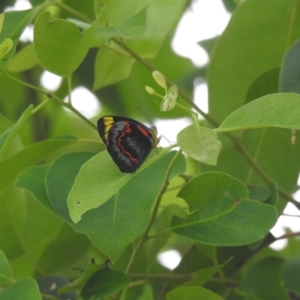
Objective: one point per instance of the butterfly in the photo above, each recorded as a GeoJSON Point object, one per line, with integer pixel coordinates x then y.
{"type": "Point", "coordinates": [128, 142]}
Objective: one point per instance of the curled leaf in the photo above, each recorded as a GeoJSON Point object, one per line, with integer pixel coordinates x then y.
{"type": "Point", "coordinates": [169, 100]}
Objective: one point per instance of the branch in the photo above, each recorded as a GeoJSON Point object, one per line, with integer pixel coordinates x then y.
{"type": "Point", "coordinates": [288, 235]}
{"type": "Point", "coordinates": [49, 96]}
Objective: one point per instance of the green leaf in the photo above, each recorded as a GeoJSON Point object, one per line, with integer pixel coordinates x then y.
{"type": "Point", "coordinates": [289, 73]}
{"type": "Point", "coordinates": [98, 281]}
{"type": "Point", "coordinates": [228, 90]}
{"type": "Point", "coordinates": [14, 23]}
{"type": "Point", "coordinates": [59, 45]}
{"type": "Point", "coordinates": [208, 44]}
{"type": "Point", "coordinates": [104, 283]}
{"type": "Point", "coordinates": [264, 84]}
{"type": "Point", "coordinates": [219, 214]}
{"type": "Point", "coordinates": [147, 293]}
{"type": "Point", "coordinates": [32, 179]}
{"type": "Point", "coordinates": [24, 60]}
{"type": "Point", "coordinates": [200, 143]}
{"type": "Point", "coordinates": [259, 193]}
{"type": "Point", "coordinates": [8, 137]}
{"type": "Point", "coordinates": [112, 218]}
{"type": "Point", "coordinates": [6, 276]}
{"type": "Point", "coordinates": [192, 292]}
{"type": "Point", "coordinates": [80, 282]}
{"type": "Point", "coordinates": [200, 277]}
{"type": "Point", "coordinates": [128, 29]}
{"type": "Point", "coordinates": [111, 67]}
{"type": "Point", "coordinates": [5, 47]}
{"type": "Point", "coordinates": [133, 27]}
{"type": "Point", "coordinates": [261, 276]}
{"type": "Point", "coordinates": [290, 271]}
{"type": "Point", "coordinates": [65, 250]}
{"type": "Point", "coordinates": [11, 166]}
{"type": "Point", "coordinates": [60, 178]}
{"type": "Point", "coordinates": [4, 136]}
{"type": "Point", "coordinates": [276, 110]}
{"type": "Point", "coordinates": [5, 124]}
{"type": "Point", "coordinates": [26, 230]}
{"type": "Point", "coordinates": [160, 20]}
{"type": "Point", "coordinates": [94, 187]}
{"type": "Point", "coordinates": [242, 34]}
{"type": "Point", "coordinates": [25, 288]}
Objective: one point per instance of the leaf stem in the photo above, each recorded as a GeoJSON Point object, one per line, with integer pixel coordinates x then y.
{"type": "Point", "coordinates": [69, 101]}
{"type": "Point", "coordinates": [154, 213]}
{"type": "Point", "coordinates": [159, 233]}
{"type": "Point", "coordinates": [178, 277]}
{"type": "Point", "coordinates": [70, 10]}
{"type": "Point", "coordinates": [40, 90]}
{"type": "Point", "coordinates": [288, 235]}
{"type": "Point", "coordinates": [49, 96]}
{"type": "Point", "coordinates": [180, 92]}
{"type": "Point", "coordinates": [161, 277]}
{"type": "Point", "coordinates": [40, 106]}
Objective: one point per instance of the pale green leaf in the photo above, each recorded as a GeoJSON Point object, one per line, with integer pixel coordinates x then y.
{"type": "Point", "coordinates": [275, 110]}
{"type": "Point", "coordinates": [94, 187]}
{"type": "Point", "coordinates": [170, 99]}
{"type": "Point", "coordinates": [133, 27]}
{"type": "Point", "coordinates": [111, 67]}
{"type": "Point", "coordinates": [23, 60]}
{"type": "Point", "coordinates": [200, 143]}
{"type": "Point", "coordinates": [59, 45]}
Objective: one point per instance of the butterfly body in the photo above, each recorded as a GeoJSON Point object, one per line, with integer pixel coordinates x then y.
{"type": "Point", "coordinates": [128, 142]}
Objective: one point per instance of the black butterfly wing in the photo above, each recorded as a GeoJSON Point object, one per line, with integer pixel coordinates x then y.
{"type": "Point", "coordinates": [128, 141]}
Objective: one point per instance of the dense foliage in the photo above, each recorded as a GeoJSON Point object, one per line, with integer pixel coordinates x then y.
{"type": "Point", "coordinates": [72, 226]}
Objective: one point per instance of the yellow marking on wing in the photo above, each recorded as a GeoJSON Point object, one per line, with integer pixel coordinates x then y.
{"type": "Point", "coordinates": [108, 123]}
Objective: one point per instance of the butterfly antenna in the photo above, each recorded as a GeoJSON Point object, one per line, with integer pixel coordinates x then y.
{"type": "Point", "coordinates": [148, 119]}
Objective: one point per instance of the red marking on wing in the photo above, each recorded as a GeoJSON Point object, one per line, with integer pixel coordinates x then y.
{"type": "Point", "coordinates": [143, 131]}
{"type": "Point", "coordinates": [123, 133]}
